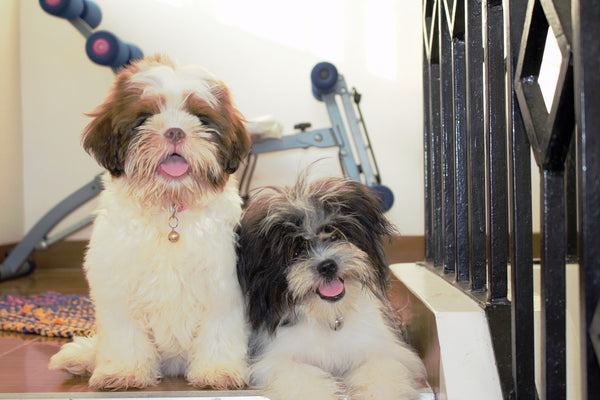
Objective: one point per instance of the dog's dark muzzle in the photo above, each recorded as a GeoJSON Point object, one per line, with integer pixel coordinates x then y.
{"type": "Point", "coordinates": [334, 289]}
{"type": "Point", "coordinates": [327, 269]}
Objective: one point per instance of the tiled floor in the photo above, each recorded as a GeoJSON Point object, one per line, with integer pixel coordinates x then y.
{"type": "Point", "coordinates": [24, 358]}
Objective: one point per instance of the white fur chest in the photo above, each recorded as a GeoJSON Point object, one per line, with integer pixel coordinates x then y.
{"type": "Point", "coordinates": [363, 333]}
{"type": "Point", "coordinates": [168, 287]}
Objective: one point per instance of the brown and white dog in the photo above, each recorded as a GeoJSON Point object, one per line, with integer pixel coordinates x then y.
{"type": "Point", "coordinates": [161, 263]}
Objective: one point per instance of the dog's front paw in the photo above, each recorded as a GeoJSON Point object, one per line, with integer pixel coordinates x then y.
{"type": "Point", "coordinates": [114, 379]}
{"type": "Point", "coordinates": [382, 379]}
{"type": "Point", "coordinates": [77, 357]}
{"type": "Point", "coordinates": [218, 377]}
{"type": "Point", "coordinates": [297, 381]}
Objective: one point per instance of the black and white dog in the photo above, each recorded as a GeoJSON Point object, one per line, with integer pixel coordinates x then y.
{"type": "Point", "coordinates": [313, 270]}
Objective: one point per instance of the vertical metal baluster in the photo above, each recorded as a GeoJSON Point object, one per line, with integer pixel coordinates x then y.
{"type": "Point", "coordinates": [436, 147]}
{"type": "Point", "coordinates": [447, 123]}
{"type": "Point", "coordinates": [476, 143]}
{"type": "Point", "coordinates": [428, 18]}
{"type": "Point", "coordinates": [498, 309]}
{"type": "Point", "coordinates": [571, 203]}
{"type": "Point", "coordinates": [521, 254]}
{"type": "Point", "coordinates": [496, 150]}
{"type": "Point", "coordinates": [553, 234]}
{"type": "Point", "coordinates": [552, 281]}
{"type": "Point", "coordinates": [427, 158]}
{"type": "Point", "coordinates": [461, 161]}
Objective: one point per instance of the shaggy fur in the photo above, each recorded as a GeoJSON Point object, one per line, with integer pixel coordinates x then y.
{"type": "Point", "coordinates": [169, 137]}
{"type": "Point", "coordinates": [313, 270]}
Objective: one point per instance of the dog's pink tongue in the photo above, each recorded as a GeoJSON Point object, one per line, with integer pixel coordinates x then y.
{"type": "Point", "coordinates": [332, 289]}
{"type": "Point", "coordinates": [175, 165]}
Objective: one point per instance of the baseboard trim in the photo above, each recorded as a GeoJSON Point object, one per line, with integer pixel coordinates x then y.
{"type": "Point", "coordinates": [404, 249]}
{"type": "Point", "coordinates": [63, 254]}
{"type": "Point", "coordinates": [69, 253]}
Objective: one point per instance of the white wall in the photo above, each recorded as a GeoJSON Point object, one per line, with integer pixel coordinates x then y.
{"type": "Point", "coordinates": [266, 64]}
{"type": "Point", "coordinates": [11, 149]}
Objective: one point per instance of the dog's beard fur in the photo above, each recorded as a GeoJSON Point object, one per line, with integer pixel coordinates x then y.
{"type": "Point", "coordinates": [148, 149]}
{"type": "Point", "coordinates": [304, 281]}
{"type": "Point", "coordinates": [286, 238]}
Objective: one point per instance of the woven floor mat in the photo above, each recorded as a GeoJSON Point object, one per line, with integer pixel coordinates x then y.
{"type": "Point", "coordinates": [48, 314]}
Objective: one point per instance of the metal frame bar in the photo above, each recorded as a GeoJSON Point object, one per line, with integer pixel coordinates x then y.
{"type": "Point", "coordinates": [354, 148]}
{"type": "Point", "coordinates": [16, 264]}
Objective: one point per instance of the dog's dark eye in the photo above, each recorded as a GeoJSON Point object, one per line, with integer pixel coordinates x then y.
{"type": "Point", "coordinates": [299, 249]}
{"type": "Point", "coordinates": [329, 233]}
{"type": "Point", "coordinates": [297, 252]}
{"type": "Point", "coordinates": [204, 120]}
{"type": "Point", "coordinates": [140, 120]}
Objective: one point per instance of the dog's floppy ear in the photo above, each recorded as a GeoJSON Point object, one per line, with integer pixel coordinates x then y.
{"type": "Point", "coordinates": [107, 136]}
{"type": "Point", "coordinates": [103, 143]}
{"type": "Point", "coordinates": [240, 146]}
{"type": "Point", "coordinates": [368, 228]}
{"type": "Point", "coordinates": [366, 205]}
{"type": "Point", "coordinates": [235, 138]}
{"type": "Point", "coordinates": [261, 275]}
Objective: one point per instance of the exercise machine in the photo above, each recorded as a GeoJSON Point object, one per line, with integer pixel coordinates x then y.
{"type": "Point", "coordinates": [102, 47]}
{"type": "Point", "coordinates": [355, 152]}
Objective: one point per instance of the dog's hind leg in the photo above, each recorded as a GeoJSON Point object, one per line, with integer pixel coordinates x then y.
{"type": "Point", "coordinates": [77, 357]}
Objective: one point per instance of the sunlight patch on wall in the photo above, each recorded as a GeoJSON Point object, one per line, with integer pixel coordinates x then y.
{"type": "Point", "coordinates": [174, 3]}
{"type": "Point", "coordinates": [325, 33]}
{"type": "Point", "coordinates": [550, 69]}
{"type": "Point", "coordinates": [295, 24]}
{"type": "Point", "coordinates": [381, 38]}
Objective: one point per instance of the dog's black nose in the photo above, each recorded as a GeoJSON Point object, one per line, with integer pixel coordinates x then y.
{"type": "Point", "coordinates": [175, 135]}
{"type": "Point", "coordinates": [327, 268]}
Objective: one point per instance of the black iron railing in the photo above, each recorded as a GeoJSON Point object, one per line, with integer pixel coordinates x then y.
{"type": "Point", "coordinates": [484, 115]}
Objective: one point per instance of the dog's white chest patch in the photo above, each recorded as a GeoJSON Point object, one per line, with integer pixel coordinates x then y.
{"type": "Point", "coordinates": [169, 289]}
